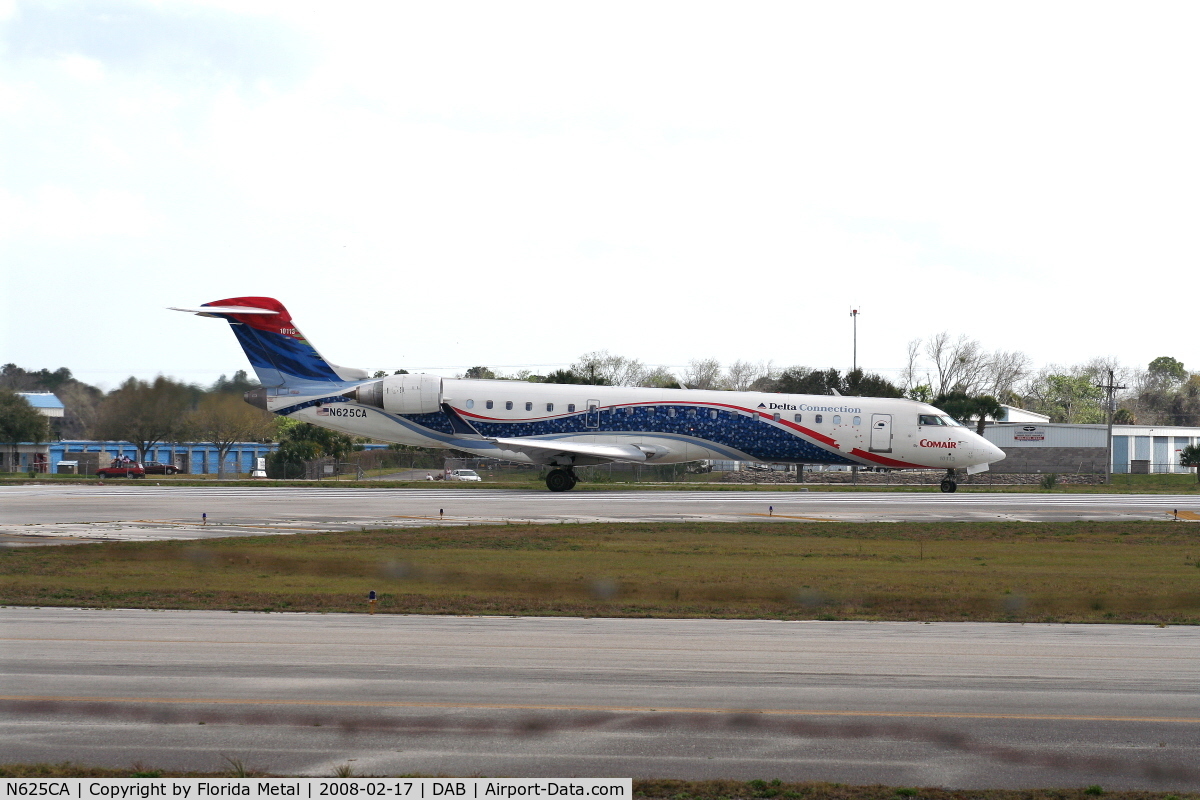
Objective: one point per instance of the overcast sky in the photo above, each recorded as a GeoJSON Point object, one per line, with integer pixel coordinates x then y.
{"type": "Point", "coordinates": [437, 185]}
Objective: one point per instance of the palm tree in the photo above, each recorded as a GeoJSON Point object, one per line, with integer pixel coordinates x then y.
{"type": "Point", "coordinates": [963, 407]}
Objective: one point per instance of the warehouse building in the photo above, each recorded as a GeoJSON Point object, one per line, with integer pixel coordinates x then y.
{"type": "Point", "coordinates": [1060, 447]}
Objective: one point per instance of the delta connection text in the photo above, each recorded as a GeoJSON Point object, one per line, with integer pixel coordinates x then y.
{"type": "Point", "coordinates": [412, 788]}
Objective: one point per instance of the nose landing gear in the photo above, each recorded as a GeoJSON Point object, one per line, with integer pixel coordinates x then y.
{"type": "Point", "coordinates": [561, 480]}
{"type": "Point", "coordinates": [949, 485]}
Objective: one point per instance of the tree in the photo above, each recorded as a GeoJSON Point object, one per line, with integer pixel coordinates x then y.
{"type": "Point", "coordinates": [959, 364]}
{"type": "Point", "coordinates": [601, 368]}
{"type": "Point", "coordinates": [703, 373]}
{"type": "Point", "coordinates": [20, 422]}
{"type": "Point", "coordinates": [741, 375]}
{"type": "Point", "coordinates": [79, 399]}
{"type": "Point", "coordinates": [480, 373]}
{"type": "Point", "coordinates": [962, 364]}
{"type": "Point", "coordinates": [300, 442]}
{"type": "Point", "coordinates": [1067, 397]}
{"type": "Point", "coordinates": [145, 414]}
{"type": "Point", "coordinates": [239, 384]}
{"type": "Point", "coordinates": [662, 378]}
{"type": "Point", "coordinates": [570, 376]}
{"type": "Point", "coordinates": [1167, 372]}
{"type": "Point", "coordinates": [1190, 457]}
{"type": "Point", "coordinates": [802, 380]}
{"type": "Point", "coordinates": [863, 384]}
{"type": "Point", "coordinates": [964, 407]}
{"type": "Point", "coordinates": [1123, 416]}
{"type": "Point", "coordinates": [222, 420]}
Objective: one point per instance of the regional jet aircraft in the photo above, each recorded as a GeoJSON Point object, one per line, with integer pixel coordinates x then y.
{"type": "Point", "coordinates": [564, 426]}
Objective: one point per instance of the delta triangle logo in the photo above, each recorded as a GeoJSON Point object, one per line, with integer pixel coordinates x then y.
{"type": "Point", "coordinates": [762, 405]}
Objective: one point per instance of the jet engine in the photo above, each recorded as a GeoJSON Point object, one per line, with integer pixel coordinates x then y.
{"type": "Point", "coordinates": [401, 394]}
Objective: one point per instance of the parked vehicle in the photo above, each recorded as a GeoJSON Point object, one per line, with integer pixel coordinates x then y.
{"type": "Point", "coordinates": [129, 470]}
{"type": "Point", "coordinates": [159, 468]}
{"type": "Point", "coordinates": [463, 475]}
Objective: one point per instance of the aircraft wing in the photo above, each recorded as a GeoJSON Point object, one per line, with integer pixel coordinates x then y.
{"type": "Point", "coordinates": [547, 449]}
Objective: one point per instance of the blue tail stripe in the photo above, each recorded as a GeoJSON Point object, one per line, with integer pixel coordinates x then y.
{"type": "Point", "coordinates": [279, 357]}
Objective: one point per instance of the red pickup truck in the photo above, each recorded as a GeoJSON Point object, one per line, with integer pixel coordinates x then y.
{"type": "Point", "coordinates": [130, 470]}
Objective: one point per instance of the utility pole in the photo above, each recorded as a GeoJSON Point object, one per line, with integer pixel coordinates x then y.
{"type": "Point", "coordinates": [1109, 387]}
{"type": "Point", "coordinates": [854, 361]}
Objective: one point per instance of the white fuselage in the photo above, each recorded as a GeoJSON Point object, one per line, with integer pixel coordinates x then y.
{"type": "Point", "coordinates": [667, 425]}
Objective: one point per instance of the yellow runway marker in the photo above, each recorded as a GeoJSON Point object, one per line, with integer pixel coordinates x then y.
{"type": "Point", "coordinates": [1191, 516]}
{"type": "Point", "coordinates": [796, 712]}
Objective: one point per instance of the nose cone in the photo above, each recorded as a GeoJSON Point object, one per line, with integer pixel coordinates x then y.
{"type": "Point", "coordinates": [992, 453]}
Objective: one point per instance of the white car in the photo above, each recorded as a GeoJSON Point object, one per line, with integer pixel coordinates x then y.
{"type": "Point", "coordinates": [463, 475]}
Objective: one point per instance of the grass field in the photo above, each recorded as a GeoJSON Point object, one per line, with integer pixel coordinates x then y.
{"type": "Point", "coordinates": [1142, 572]}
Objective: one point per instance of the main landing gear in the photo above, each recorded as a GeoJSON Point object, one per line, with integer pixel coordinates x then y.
{"type": "Point", "coordinates": [561, 480]}
{"type": "Point", "coordinates": [948, 485]}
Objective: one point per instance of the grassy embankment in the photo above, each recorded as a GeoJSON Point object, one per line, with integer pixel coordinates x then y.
{"type": "Point", "coordinates": [529, 480]}
{"type": "Point", "coordinates": [659, 789]}
{"type": "Point", "coordinates": [1140, 572]}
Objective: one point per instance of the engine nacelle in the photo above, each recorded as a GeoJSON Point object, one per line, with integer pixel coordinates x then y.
{"type": "Point", "coordinates": [401, 394]}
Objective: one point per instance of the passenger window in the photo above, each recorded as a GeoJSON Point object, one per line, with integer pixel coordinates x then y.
{"type": "Point", "coordinates": [691, 412]}
{"type": "Point", "coordinates": [775, 416]}
{"type": "Point", "coordinates": [670, 412]}
{"type": "Point", "coordinates": [629, 411]}
{"type": "Point", "coordinates": [529, 406]}
{"type": "Point", "coordinates": [470, 404]}
{"type": "Point", "coordinates": [798, 418]}
{"type": "Point", "coordinates": [818, 419]}
{"type": "Point", "coordinates": [508, 405]}
{"type": "Point", "coordinates": [858, 420]}
{"type": "Point", "coordinates": [837, 419]}
{"type": "Point", "coordinates": [549, 406]}
{"type": "Point", "coordinates": [570, 407]}
{"type": "Point", "coordinates": [712, 414]}
{"type": "Point", "coordinates": [650, 410]}
{"type": "Point", "coordinates": [489, 403]}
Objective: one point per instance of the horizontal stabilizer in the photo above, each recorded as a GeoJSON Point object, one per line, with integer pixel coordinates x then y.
{"type": "Point", "coordinates": [208, 311]}
{"type": "Point", "coordinates": [542, 449]}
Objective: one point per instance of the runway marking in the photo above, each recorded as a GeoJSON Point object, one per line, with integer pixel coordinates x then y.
{"type": "Point", "coordinates": [797, 712]}
{"type": "Point", "coordinates": [784, 516]}
{"type": "Point", "coordinates": [1189, 515]}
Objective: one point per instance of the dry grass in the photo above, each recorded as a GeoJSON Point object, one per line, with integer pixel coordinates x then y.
{"type": "Point", "coordinates": [1145, 572]}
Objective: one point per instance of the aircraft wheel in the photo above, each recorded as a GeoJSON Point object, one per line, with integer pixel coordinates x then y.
{"type": "Point", "coordinates": [559, 480]}
{"type": "Point", "coordinates": [949, 486]}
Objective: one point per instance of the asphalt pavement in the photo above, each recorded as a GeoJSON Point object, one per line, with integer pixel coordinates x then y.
{"type": "Point", "coordinates": [64, 514]}
{"type": "Point", "coordinates": [947, 704]}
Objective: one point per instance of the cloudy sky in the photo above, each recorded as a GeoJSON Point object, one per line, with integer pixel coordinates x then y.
{"type": "Point", "coordinates": [437, 185]}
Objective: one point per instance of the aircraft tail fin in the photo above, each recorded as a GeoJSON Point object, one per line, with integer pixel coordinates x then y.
{"type": "Point", "coordinates": [277, 350]}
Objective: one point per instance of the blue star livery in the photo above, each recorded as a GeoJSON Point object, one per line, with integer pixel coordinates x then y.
{"type": "Point", "coordinates": [564, 426]}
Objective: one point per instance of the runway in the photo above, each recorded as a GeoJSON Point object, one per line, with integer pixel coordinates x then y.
{"type": "Point", "coordinates": [959, 705]}
{"type": "Point", "coordinates": [65, 514]}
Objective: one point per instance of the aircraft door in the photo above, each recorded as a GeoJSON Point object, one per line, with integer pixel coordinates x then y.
{"type": "Point", "coordinates": [881, 433]}
{"type": "Point", "coordinates": [592, 418]}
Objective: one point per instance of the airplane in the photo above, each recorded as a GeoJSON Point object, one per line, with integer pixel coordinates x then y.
{"type": "Point", "coordinates": [564, 426]}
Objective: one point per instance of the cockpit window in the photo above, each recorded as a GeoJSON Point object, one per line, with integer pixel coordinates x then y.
{"type": "Point", "coordinates": [929, 419]}
{"type": "Point", "coordinates": [953, 421]}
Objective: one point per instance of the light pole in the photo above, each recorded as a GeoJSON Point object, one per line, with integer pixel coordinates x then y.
{"type": "Point", "coordinates": [853, 370]}
{"type": "Point", "coordinates": [854, 362]}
